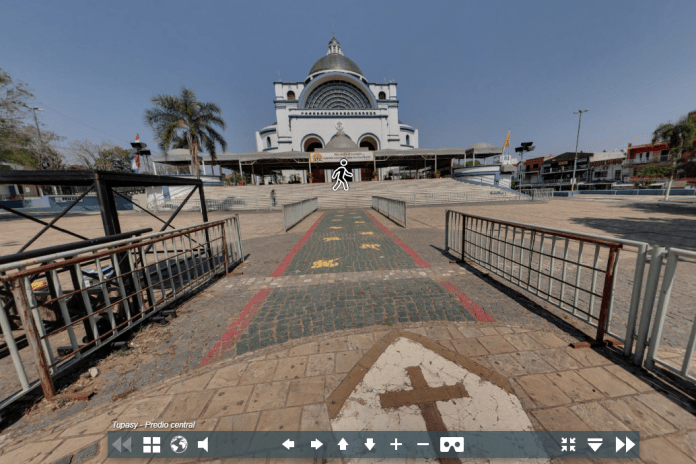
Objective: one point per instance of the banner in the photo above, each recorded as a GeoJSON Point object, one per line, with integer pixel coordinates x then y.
{"type": "Point", "coordinates": [507, 140]}
{"type": "Point", "coordinates": [336, 157]}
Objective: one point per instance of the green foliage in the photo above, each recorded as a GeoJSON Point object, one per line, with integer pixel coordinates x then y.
{"type": "Point", "coordinates": [471, 163]}
{"type": "Point", "coordinates": [656, 171]}
{"type": "Point", "coordinates": [183, 121]}
{"type": "Point", "coordinates": [680, 136]}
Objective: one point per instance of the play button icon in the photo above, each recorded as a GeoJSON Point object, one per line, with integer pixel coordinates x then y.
{"type": "Point", "coordinates": [629, 444]}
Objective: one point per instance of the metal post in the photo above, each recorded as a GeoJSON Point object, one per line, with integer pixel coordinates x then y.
{"type": "Point", "coordinates": [635, 298]}
{"type": "Point", "coordinates": [606, 294]}
{"type": "Point", "coordinates": [22, 304]}
{"type": "Point", "coordinates": [577, 141]}
{"type": "Point", "coordinates": [662, 305]}
{"type": "Point", "coordinates": [648, 303]}
{"type": "Point", "coordinates": [108, 207]}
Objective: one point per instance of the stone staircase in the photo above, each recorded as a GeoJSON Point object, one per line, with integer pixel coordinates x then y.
{"type": "Point", "coordinates": [414, 192]}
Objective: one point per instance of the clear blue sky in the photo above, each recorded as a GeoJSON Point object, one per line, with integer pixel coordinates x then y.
{"type": "Point", "coordinates": [467, 70]}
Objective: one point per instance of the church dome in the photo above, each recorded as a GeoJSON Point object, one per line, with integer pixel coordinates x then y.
{"type": "Point", "coordinates": [340, 141]}
{"type": "Point", "coordinates": [335, 61]}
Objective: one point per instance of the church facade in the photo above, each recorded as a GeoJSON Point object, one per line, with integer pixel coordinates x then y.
{"type": "Point", "coordinates": [335, 91]}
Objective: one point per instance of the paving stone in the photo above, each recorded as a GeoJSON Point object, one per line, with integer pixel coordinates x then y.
{"type": "Point", "coordinates": [506, 364]}
{"type": "Point", "coordinates": [228, 401]}
{"type": "Point", "coordinates": [86, 453]}
{"type": "Point", "coordinates": [469, 347]}
{"type": "Point", "coordinates": [668, 409]}
{"type": "Point", "coordinates": [574, 386]}
{"type": "Point", "coordinates": [268, 396]}
{"type": "Point", "coordinates": [291, 368]}
{"type": "Point", "coordinates": [238, 423]}
{"type": "Point", "coordinates": [496, 344]}
{"type": "Point", "coordinates": [598, 417]}
{"type": "Point", "coordinates": [561, 418]}
{"type": "Point", "coordinates": [606, 382]}
{"type": "Point", "coordinates": [315, 417]}
{"type": "Point", "coordinates": [587, 357]}
{"type": "Point", "coordinates": [345, 360]}
{"type": "Point", "coordinates": [305, 391]}
{"type": "Point", "coordinates": [532, 362]}
{"type": "Point", "coordinates": [559, 359]}
{"type": "Point", "coordinates": [227, 376]}
{"type": "Point", "coordinates": [685, 442]}
{"type": "Point", "coordinates": [660, 450]}
{"type": "Point", "coordinates": [639, 417]}
{"type": "Point", "coordinates": [543, 391]}
{"type": "Point", "coordinates": [259, 372]}
{"type": "Point", "coordinates": [186, 406]}
{"type": "Point", "coordinates": [321, 364]}
{"type": "Point", "coordinates": [280, 419]}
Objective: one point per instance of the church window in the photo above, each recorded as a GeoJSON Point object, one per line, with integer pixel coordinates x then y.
{"type": "Point", "coordinates": [337, 95]}
{"type": "Point", "coordinates": [291, 95]}
{"type": "Point", "coordinates": [268, 142]}
{"type": "Point", "coordinates": [408, 140]}
{"type": "Point", "coordinates": [382, 96]}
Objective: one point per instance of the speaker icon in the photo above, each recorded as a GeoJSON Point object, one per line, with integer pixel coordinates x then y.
{"type": "Point", "coordinates": [203, 444]}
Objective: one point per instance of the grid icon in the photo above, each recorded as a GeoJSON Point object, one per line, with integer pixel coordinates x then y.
{"type": "Point", "coordinates": [151, 444]}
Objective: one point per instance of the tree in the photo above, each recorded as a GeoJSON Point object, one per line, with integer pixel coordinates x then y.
{"type": "Point", "coordinates": [183, 118]}
{"type": "Point", "coordinates": [102, 157]}
{"type": "Point", "coordinates": [20, 143]}
{"type": "Point", "coordinates": [681, 137]}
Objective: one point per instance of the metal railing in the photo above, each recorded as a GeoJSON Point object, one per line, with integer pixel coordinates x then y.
{"type": "Point", "coordinates": [674, 257]}
{"type": "Point", "coordinates": [212, 204]}
{"type": "Point", "coordinates": [538, 194]}
{"type": "Point", "coordinates": [69, 304]}
{"type": "Point", "coordinates": [572, 271]}
{"type": "Point", "coordinates": [294, 213]}
{"type": "Point", "coordinates": [394, 209]}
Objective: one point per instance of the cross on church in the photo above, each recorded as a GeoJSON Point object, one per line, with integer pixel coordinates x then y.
{"type": "Point", "coordinates": [339, 126]}
{"type": "Point", "coordinates": [425, 397]}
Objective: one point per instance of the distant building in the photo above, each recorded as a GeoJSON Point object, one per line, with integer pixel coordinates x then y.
{"type": "Point", "coordinates": [606, 169]}
{"type": "Point", "coordinates": [557, 172]}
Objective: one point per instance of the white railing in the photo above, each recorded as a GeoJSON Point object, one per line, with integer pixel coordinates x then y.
{"type": "Point", "coordinates": [294, 213]}
{"type": "Point", "coordinates": [538, 194]}
{"type": "Point", "coordinates": [393, 209]}
{"type": "Point", "coordinates": [675, 257]}
{"type": "Point", "coordinates": [66, 305]}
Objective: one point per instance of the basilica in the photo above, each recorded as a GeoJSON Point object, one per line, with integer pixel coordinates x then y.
{"type": "Point", "coordinates": [334, 91]}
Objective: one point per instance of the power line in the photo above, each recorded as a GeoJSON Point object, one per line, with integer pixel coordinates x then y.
{"type": "Point", "coordinates": [79, 122]}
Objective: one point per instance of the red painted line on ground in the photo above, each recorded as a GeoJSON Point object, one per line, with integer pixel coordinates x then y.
{"type": "Point", "coordinates": [237, 327]}
{"type": "Point", "coordinates": [474, 309]}
{"type": "Point", "coordinates": [416, 257]}
{"type": "Point", "coordinates": [288, 258]}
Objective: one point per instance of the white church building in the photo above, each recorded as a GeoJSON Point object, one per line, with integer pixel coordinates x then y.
{"type": "Point", "coordinates": [335, 91]}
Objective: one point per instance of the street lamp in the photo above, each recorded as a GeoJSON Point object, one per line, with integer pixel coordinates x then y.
{"type": "Point", "coordinates": [575, 161]}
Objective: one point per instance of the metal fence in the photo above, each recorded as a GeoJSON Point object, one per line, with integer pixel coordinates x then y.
{"type": "Point", "coordinates": [225, 204]}
{"type": "Point", "coordinates": [681, 363]}
{"type": "Point", "coordinates": [538, 194]}
{"type": "Point", "coordinates": [67, 305]}
{"type": "Point", "coordinates": [294, 213]}
{"type": "Point", "coordinates": [572, 271]}
{"type": "Point", "coordinates": [394, 209]}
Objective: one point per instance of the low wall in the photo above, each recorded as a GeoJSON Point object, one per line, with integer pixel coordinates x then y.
{"type": "Point", "coordinates": [654, 192]}
{"type": "Point", "coordinates": [56, 203]}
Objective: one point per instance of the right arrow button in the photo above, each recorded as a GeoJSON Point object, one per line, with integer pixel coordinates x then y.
{"type": "Point", "coordinates": [619, 444]}
{"type": "Point", "coordinates": [629, 444]}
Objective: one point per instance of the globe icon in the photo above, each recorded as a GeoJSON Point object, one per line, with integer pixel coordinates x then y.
{"type": "Point", "coordinates": [178, 444]}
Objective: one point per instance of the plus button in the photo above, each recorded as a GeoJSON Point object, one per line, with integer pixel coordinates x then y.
{"type": "Point", "coordinates": [396, 444]}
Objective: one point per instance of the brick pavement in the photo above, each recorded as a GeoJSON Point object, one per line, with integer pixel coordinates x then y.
{"type": "Point", "coordinates": [294, 385]}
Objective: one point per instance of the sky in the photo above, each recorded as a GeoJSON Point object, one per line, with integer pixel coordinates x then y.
{"type": "Point", "coordinates": [467, 71]}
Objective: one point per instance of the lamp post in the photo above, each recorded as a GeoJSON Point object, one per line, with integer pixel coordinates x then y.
{"type": "Point", "coordinates": [577, 141]}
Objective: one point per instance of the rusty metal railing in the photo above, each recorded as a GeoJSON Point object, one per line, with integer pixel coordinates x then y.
{"type": "Point", "coordinates": [69, 304]}
{"type": "Point", "coordinates": [574, 272]}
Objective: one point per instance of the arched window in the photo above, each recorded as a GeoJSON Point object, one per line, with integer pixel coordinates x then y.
{"type": "Point", "coordinates": [268, 142]}
{"type": "Point", "coordinates": [382, 96]}
{"type": "Point", "coordinates": [291, 95]}
{"type": "Point", "coordinates": [408, 139]}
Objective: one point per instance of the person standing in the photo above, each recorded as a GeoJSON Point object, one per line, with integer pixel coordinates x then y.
{"type": "Point", "coordinates": [273, 197]}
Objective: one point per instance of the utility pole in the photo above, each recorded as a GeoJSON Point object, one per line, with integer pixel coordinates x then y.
{"type": "Point", "coordinates": [577, 141]}
{"type": "Point", "coordinates": [42, 162]}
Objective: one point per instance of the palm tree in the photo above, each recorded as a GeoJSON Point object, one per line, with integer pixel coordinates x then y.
{"type": "Point", "coordinates": [681, 138]}
{"type": "Point", "coordinates": [183, 118]}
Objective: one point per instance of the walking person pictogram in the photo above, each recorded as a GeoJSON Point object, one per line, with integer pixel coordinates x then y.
{"type": "Point", "coordinates": [340, 174]}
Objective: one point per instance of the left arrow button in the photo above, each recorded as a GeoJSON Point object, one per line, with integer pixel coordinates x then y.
{"type": "Point", "coordinates": [117, 444]}
{"type": "Point", "coordinates": [289, 444]}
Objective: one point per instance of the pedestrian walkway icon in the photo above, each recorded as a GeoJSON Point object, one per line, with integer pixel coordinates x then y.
{"type": "Point", "coordinates": [339, 175]}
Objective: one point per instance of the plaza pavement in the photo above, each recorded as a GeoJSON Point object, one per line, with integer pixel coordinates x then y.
{"type": "Point", "coordinates": [311, 305]}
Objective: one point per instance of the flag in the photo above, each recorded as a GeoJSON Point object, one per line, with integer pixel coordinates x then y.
{"type": "Point", "coordinates": [507, 140]}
